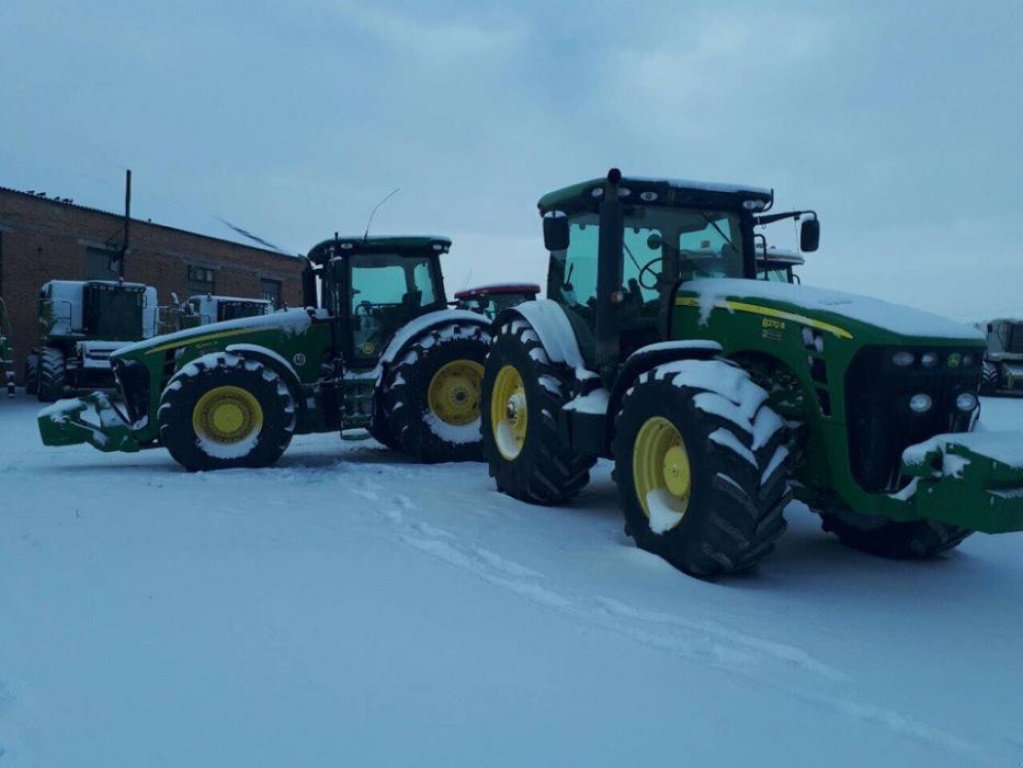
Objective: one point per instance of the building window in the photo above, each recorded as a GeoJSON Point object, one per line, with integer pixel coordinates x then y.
{"type": "Point", "coordinates": [101, 264]}
{"type": "Point", "coordinates": [271, 291]}
{"type": "Point", "coordinates": [200, 281]}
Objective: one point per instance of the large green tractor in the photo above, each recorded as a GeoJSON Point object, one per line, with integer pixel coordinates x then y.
{"type": "Point", "coordinates": [718, 395]}
{"type": "Point", "coordinates": [375, 348]}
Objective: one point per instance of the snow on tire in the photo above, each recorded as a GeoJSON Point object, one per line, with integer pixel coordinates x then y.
{"type": "Point", "coordinates": [50, 387]}
{"type": "Point", "coordinates": [431, 395]}
{"type": "Point", "coordinates": [522, 394]}
{"type": "Point", "coordinates": [223, 411]}
{"type": "Point", "coordinates": [702, 467]}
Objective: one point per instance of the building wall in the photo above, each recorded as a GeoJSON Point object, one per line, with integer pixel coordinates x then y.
{"type": "Point", "coordinates": [42, 240]}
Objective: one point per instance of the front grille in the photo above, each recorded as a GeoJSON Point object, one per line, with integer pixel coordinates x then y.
{"type": "Point", "coordinates": [133, 378]}
{"type": "Point", "coordinates": [1015, 344]}
{"type": "Point", "coordinates": [881, 424]}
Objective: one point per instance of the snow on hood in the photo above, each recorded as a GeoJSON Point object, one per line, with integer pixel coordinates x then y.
{"type": "Point", "coordinates": [292, 321]}
{"type": "Point", "coordinates": [899, 319]}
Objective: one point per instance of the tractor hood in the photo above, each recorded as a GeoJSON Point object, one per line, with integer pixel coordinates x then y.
{"type": "Point", "coordinates": [290, 321]}
{"type": "Point", "coordinates": [845, 315]}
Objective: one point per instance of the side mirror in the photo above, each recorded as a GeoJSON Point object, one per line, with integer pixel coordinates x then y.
{"type": "Point", "coordinates": [809, 235]}
{"type": "Point", "coordinates": [555, 233]}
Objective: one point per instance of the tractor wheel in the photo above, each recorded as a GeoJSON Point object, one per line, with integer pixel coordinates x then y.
{"type": "Point", "coordinates": [916, 540]}
{"type": "Point", "coordinates": [223, 411]}
{"type": "Point", "coordinates": [522, 395]}
{"type": "Point", "coordinates": [50, 387]}
{"type": "Point", "coordinates": [989, 378]}
{"type": "Point", "coordinates": [32, 374]}
{"type": "Point", "coordinates": [431, 396]}
{"type": "Point", "coordinates": [381, 432]}
{"type": "Point", "coordinates": [702, 467]}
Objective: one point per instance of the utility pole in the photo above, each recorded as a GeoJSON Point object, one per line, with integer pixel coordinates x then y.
{"type": "Point", "coordinates": [127, 221]}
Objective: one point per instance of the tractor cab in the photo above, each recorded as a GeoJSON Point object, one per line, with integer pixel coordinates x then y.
{"type": "Point", "coordinates": [373, 287]}
{"type": "Point", "coordinates": [777, 265]}
{"type": "Point", "coordinates": [621, 247]}
{"type": "Point", "coordinates": [96, 309]}
{"type": "Point", "coordinates": [492, 300]}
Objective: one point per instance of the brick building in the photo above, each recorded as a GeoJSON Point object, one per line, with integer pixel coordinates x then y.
{"type": "Point", "coordinates": [44, 239]}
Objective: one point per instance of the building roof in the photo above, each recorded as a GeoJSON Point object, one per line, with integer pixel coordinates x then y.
{"type": "Point", "coordinates": [68, 203]}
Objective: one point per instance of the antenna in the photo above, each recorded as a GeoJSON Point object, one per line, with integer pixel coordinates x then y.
{"type": "Point", "coordinates": [387, 197]}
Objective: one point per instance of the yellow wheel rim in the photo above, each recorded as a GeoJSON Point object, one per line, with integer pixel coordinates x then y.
{"type": "Point", "coordinates": [661, 473]}
{"type": "Point", "coordinates": [509, 416]}
{"type": "Point", "coordinates": [227, 415]}
{"type": "Point", "coordinates": [454, 392]}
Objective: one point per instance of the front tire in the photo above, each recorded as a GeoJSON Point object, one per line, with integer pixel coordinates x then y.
{"type": "Point", "coordinates": [223, 411]}
{"type": "Point", "coordinates": [51, 375]}
{"type": "Point", "coordinates": [989, 378]}
{"type": "Point", "coordinates": [702, 467]}
{"type": "Point", "coordinates": [913, 540]}
{"type": "Point", "coordinates": [431, 397]}
{"type": "Point", "coordinates": [522, 395]}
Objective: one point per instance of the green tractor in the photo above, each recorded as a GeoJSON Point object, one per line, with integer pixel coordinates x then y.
{"type": "Point", "coordinates": [6, 350]}
{"type": "Point", "coordinates": [719, 396]}
{"type": "Point", "coordinates": [375, 348]}
{"type": "Point", "coordinates": [81, 324]}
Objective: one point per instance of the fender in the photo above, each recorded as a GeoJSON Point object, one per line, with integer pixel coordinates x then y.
{"type": "Point", "coordinates": [551, 324]}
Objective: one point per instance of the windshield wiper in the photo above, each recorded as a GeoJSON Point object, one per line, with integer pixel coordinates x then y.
{"type": "Point", "coordinates": [714, 224]}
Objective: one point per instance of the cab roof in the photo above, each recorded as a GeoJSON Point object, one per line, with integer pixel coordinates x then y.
{"type": "Point", "coordinates": [497, 289]}
{"type": "Point", "coordinates": [586, 195]}
{"type": "Point", "coordinates": [413, 245]}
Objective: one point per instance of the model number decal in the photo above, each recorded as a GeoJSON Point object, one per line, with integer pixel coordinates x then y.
{"type": "Point", "coordinates": [769, 322]}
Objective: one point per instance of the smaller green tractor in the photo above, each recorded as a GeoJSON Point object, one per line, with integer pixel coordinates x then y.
{"type": "Point", "coordinates": [375, 348]}
{"type": "Point", "coordinates": [492, 300]}
{"type": "Point", "coordinates": [81, 324]}
{"type": "Point", "coordinates": [720, 395]}
{"type": "Point", "coordinates": [6, 350]}
{"type": "Point", "coordinates": [1003, 361]}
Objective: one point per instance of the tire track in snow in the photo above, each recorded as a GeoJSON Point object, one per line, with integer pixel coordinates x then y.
{"type": "Point", "coordinates": [737, 654]}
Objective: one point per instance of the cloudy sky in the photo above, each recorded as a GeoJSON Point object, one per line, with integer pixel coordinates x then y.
{"type": "Point", "coordinates": [899, 122]}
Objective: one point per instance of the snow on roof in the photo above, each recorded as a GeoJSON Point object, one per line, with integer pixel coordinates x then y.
{"type": "Point", "coordinates": [899, 319]}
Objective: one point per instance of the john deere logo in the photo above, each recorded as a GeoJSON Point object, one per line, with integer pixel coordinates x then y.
{"type": "Point", "coordinates": [954, 359]}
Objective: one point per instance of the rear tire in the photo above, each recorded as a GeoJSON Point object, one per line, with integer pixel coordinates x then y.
{"type": "Point", "coordinates": [526, 454]}
{"type": "Point", "coordinates": [32, 374]}
{"type": "Point", "coordinates": [50, 388]}
{"type": "Point", "coordinates": [223, 411]}
{"type": "Point", "coordinates": [702, 467]}
{"type": "Point", "coordinates": [989, 378]}
{"type": "Point", "coordinates": [913, 540]}
{"type": "Point", "coordinates": [431, 396]}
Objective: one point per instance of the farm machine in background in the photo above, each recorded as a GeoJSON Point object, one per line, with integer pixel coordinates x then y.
{"type": "Point", "coordinates": [81, 324]}
{"type": "Point", "coordinates": [492, 300]}
{"type": "Point", "coordinates": [719, 396]}
{"type": "Point", "coordinates": [375, 348]}
{"type": "Point", "coordinates": [778, 266]}
{"type": "Point", "coordinates": [208, 308]}
{"type": "Point", "coordinates": [1003, 361]}
{"type": "Point", "coordinates": [6, 350]}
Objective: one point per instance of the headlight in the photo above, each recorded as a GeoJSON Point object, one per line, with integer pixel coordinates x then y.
{"type": "Point", "coordinates": [967, 360]}
{"type": "Point", "coordinates": [967, 401]}
{"type": "Point", "coordinates": [903, 359]}
{"type": "Point", "coordinates": [929, 359]}
{"type": "Point", "coordinates": [920, 403]}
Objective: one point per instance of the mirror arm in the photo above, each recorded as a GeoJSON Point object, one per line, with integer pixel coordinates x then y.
{"type": "Point", "coordinates": [762, 220]}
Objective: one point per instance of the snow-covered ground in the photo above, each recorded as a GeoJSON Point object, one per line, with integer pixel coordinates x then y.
{"type": "Point", "coordinates": [349, 608]}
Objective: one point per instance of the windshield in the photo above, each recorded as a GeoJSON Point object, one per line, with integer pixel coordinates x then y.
{"type": "Point", "coordinates": [661, 247]}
